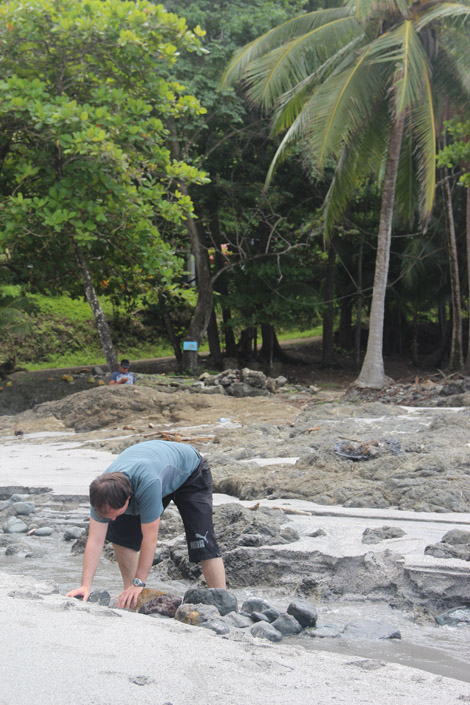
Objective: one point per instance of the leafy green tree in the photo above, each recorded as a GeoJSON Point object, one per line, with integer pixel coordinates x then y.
{"type": "Point", "coordinates": [87, 181]}
{"type": "Point", "coordinates": [363, 82]}
{"type": "Point", "coordinates": [230, 142]}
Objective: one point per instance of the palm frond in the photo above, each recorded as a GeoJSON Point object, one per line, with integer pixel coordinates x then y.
{"type": "Point", "coordinates": [344, 102]}
{"type": "Point", "coordinates": [276, 37]}
{"type": "Point", "coordinates": [453, 63]}
{"type": "Point", "coordinates": [424, 130]}
{"type": "Point", "coordinates": [371, 9]}
{"type": "Point", "coordinates": [291, 102]}
{"type": "Point", "coordinates": [273, 74]}
{"type": "Point", "coordinates": [444, 10]}
{"type": "Point", "coordinates": [358, 160]}
{"type": "Point", "coordinates": [403, 49]}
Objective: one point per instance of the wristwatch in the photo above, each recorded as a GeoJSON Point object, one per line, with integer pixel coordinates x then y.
{"type": "Point", "coordinates": [138, 582]}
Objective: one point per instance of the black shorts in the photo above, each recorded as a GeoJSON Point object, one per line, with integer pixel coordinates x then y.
{"type": "Point", "coordinates": [194, 502]}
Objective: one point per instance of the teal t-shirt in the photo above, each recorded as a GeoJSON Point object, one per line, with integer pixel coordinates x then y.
{"type": "Point", "coordinates": [155, 469]}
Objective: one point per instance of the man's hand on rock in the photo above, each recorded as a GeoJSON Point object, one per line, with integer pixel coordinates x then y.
{"type": "Point", "coordinates": [128, 598]}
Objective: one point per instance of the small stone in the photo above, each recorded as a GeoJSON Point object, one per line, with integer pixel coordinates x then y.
{"type": "Point", "coordinates": [14, 525]}
{"type": "Point", "coordinates": [263, 630]}
{"type": "Point", "coordinates": [44, 531]}
{"type": "Point", "coordinates": [304, 612]}
{"type": "Point", "coordinates": [24, 508]}
{"type": "Point", "coordinates": [196, 614]}
{"type": "Point", "coordinates": [254, 604]}
{"type": "Point", "coordinates": [19, 498]}
{"type": "Point", "coordinates": [165, 605]}
{"type": "Point", "coordinates": [73, 533]}
{"type": "Point", "coordinates": [224, 600]}
{"type": "Point", "coordinates": [219, 626]}
{"type": "Point", "coordinates": [102, 597]}
{"type": "Point", "coordinates": [240, 621]}
{"type": "Point", "coordinates": [381, 534]}
{"type": "Point", "coordinates": [287, 625]}
{"type": "Point", "coordinates": [456, 537]}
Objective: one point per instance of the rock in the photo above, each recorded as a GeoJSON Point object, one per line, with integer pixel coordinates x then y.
{"type": "Point", "coordinates": [454, 616]}
{"type": "Point", "coordinates": [304, 612]}
{"type": "Point", "coordinates": [224, 600]}
{"type": "Point", "coordinates": [102, 597]}
{"type": "Point", "coordinates": [370, 629]}
{"type": "Point", "coordinates": [196, 614]}
{"type": "Point", "coordinates": [165, 604]}
{"type": "Point", "coordinates": [456, 537]}
{"type": "Point", "coordinates": [447, 550]}
{"type": "Point", "coordinates": [145, 596]}
{"type": "Point", "coordinates": [259, 617]}
{"type": "Point", "coordinates": [254, 604]}
{"type": "Point", "coordinates": [219, 626]}
{"type": "Point", "coordinates": [24, 508]}
{"type": "Point", "coordinates": [383, 533]}
{"type": "Point", "coordinates": [287, 625]}
{"type": "Point", "coordinates": [19, 498]}
{"type": "Point", "coordinates": [44, 531]}
{"type": "Point", "coordinates": [73, 533]}
{"type": "Point", "coordinates": [263, 630]}
{"type": "Point", "coordinates": [14, 525]}
{"type": "Point", "coordinates": [240, 621]}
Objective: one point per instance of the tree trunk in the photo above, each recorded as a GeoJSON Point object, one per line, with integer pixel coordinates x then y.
{"type": "Point", "coordinates": [202, 312]}
{"type": "Point", "coordinates": [456, 348]}
{"type": "Point", "coordinates": [214, 342]}
{"type": "Point", "coordinates": [372, 373]}
{"type": "Point", "coordinates": [328, 348]}
{"type": "Point", "coordinates": [101, 323]}
{"type": "Point", "coordinates": [170, 330]}
{"type": "Point", "coordinates": [359, 300]}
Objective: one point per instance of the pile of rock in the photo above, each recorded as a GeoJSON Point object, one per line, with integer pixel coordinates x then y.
{"type": "Point", "coordinates": [217, 610]}
{"type": "Point", "coordinates": [239, 383]}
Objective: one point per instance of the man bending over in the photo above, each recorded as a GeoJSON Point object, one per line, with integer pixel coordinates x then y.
{"type": "Point", "coordinates": [127, 502]}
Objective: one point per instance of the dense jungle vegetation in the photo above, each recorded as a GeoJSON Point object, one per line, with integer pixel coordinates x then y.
{"type": "Point", "coordinates": [225, 172]}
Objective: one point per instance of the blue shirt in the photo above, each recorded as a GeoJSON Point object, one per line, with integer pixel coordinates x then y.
{"type": "Point", "coordinates": [155, 469]}
{"type": "Point", "coordinates": [116, 376]}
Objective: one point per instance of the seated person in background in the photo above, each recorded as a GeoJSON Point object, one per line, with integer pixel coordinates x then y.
{"type": "Point", "coordinates": [123, 376]}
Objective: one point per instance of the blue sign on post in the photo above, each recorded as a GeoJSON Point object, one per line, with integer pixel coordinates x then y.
{"type": "Point", "coordinates": [190, 345]}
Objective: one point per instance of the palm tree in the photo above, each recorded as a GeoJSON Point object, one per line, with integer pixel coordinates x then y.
{"type": "Point", "coordinates": [364, 83]}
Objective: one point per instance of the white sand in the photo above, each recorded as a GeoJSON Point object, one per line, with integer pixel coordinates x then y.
{"type": "Point", "coordinates": [57, 650]}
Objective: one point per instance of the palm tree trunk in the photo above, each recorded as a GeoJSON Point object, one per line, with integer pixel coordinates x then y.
{"type": "Point", "coordinates": [372, 372]}
{"type": "Point", "coordinates": [328, 349]}
{"type": "Point", "coordinates": [101, 323]}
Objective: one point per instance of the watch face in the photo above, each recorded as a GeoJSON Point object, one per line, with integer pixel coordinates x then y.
{"type": "Point", "coordinates": [138, 582]}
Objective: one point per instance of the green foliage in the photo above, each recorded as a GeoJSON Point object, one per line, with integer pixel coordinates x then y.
{"type": "Point", "coordinates": [340, 78]}
{"type": "Point", "coordinates": [457, 153]}
{"type": "Point", "coordinates": [86, 92]}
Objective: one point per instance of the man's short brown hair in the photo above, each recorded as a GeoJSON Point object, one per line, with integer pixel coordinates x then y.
{"type": "Point", "coordinates": [112, 489]}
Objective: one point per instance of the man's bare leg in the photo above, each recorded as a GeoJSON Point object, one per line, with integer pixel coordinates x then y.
{"type": "Point", "coordinates": [127, 560]}
{"type": "Point", "coordinates": [214, 572]}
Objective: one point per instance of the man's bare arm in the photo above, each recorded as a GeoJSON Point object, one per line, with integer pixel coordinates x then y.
{"type": "Point", "coordinates": [94, 546]}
